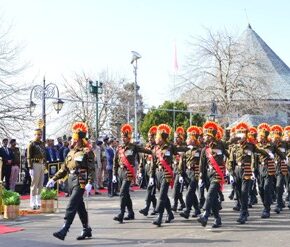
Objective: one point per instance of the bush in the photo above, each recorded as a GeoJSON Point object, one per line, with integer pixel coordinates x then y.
{"type": "Point", "coordinates": [10, 198]}
{"type": "Point", "coordinates": [48, 194]}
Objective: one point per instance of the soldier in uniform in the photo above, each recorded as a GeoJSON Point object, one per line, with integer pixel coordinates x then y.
{"type": "Point", "coordinates": [123, 167]}
{"type": "Point", "coordinates": [212, 166]}
{"type": "Point", "coordinates": [147, 160]}
{"type": "Point", "coordinates": [79, 167]}
{"type": "Point", "coordinates": [252, 138]}
{"type": "Point", "coordinates": [281, 166]}
{"type": "Point", "coordinates": [178, 186]}
{"type": "Point", "coordinates": [267, 167]}
{"type": "Point", "coordinates": [241, 167]}
{"type": "Point", "coordinates": [163, 160]}
{"type": "Point", "coordinates": [191, 157]}
{"type": "Point", "coordinates": [36, 160]}
{"type": "Point", "coordinates": [286, 139]}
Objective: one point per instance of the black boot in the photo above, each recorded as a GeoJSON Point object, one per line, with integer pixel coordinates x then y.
{"type": "Point", "coordinates": [202, 219]}
{"type": "Point", "coordinates": [119, 217]}
{"type": "Point", "coordinates": [242, 219]}
{"type": "Point", "coordinates": [154, 212]}
{"type": "Point", "coordinates": [170, 217]}
{"type": "Point", "coordinates": [158, 221]}
{"type": "Point", "coordinates": [130, 216]}
{"type": "Point", "coordinates": [185, 214]}
{"type": "Point", "coordinates": [265, 214]}
{"type": "Point", "coordinates": [86, 233]}
{"type": "Point", "coordinates": [196, 213]}
{"type": "Point", "coordinates": [143, 211]}
{"type": "Point", "coordinates": [217, 222]}
{"type": "Point", "coordinates": [62, 232]}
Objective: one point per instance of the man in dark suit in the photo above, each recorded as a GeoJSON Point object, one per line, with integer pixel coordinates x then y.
{"type": "Point", "coordinates": [7, 157]}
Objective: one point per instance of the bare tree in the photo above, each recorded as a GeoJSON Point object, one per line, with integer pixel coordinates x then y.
{"type": "Point", "coordinates": [14, 107]}
{"type": "Point", "coordinates": [124, 111]}
{"type": "Point", "coordinates": [82, 104]}
{"type": "Point", "coordinates": [220, 69]}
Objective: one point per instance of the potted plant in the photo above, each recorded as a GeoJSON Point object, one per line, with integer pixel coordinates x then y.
{"type": "Point", "coordinates": [47, 197]}
{"type": "Point", "coordinates": [11, 201]}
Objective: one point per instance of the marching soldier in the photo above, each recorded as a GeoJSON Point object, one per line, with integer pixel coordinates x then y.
{"type": "Point", "coordinates": [286, 139]}
{"type": "Point", "coordinates": [79, 167]}
{"type": "Point", "coordinates": [212, 166]}
{"type": "Point", "coordinates": [252, 138]}
{"type": "Point", "coordinates": [241, 166]}
{"type": "Point", "coordinates": [267, 168]}
{"type": "Point", "coordinates": [178, 187]}
{"type": "Point", "coordinates": [281, 166]}
{"type": "Point", "coordinates": [163, 160]}
{"type": "Point", "coordinates": [147, 159]}
{"type": "Point", "coordinates": [191, 157]}
{"type": "Point", "coordinates": [124, 161]}
{"type": "Point", "coordinates": [36, 160]}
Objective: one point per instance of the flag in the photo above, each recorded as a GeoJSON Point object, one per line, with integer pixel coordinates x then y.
{"type": "Point", "coordinates": [175, 63]}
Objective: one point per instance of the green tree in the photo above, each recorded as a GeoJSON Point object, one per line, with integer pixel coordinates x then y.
{"type": "Point", "coordinates": [165, 114]}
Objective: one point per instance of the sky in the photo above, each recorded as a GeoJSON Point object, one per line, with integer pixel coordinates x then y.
{"type": "Point", "coordinates": [64, 37]}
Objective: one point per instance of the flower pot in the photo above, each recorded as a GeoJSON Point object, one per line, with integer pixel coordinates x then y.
{"type": "Point", "coordinates": [47, 206]}
{"type": "Point", "coordinates": [11, 211]}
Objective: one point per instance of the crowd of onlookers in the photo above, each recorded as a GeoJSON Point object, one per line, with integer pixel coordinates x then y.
{"type": "Point", "coordinates": [14, 163]}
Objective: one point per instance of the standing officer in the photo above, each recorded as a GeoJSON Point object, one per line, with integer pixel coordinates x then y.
{"type": "Point", "coordinates": [191, 158]}
{"type": "Point", "coordinates": [212, 166]}
{"type": "Point", "coordinates": [36, 160]}
{"type": "Point", "coordinates": [124, 161]}
{"type": "Point", "coordinates": [178, 186]}
{"type": "Point", "coordinates": [79, 166]}
{"type": "Point", "coordinates": [267, 168]}
{"type": "Point", "coordinates": [147, 159]}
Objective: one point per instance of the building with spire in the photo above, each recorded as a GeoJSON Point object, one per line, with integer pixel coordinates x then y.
{"type": "Point", "coordinates": [261, 93]}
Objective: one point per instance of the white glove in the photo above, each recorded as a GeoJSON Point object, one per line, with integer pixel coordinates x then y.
{"type": "Point", "coordinates": [88, 188]}
{"type": "Point", "coordinates": [200, 183]}
{"type": "Point", "coordinates": [140, 175]}
{"type": "Point", "coordinates": [50, 183]}
{"type": "Point", "coordinates": [253, 177]}
{"type": "Point", "coordinates": [31, 173]}
{"type": "Point", "coordinates": [151, 181]}
{"type": "Point", "coordinates": [114, 180]}
{"type": "Point", "coordinates": [271, 155]}
{"type": "Point", "coordinates": [181, 180]}
{"type": "Point", "coordinates": [231, 179]}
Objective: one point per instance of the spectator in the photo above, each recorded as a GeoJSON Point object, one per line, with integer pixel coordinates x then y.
{"type": "Point", "coordinates": [51, 157]}
{"type": "Point", "coordinates": [100, 170]}
{"type": "Point", "coordinates": [110, 153]}
{"type": "Point", "coordinates": [27, 178]}
{"type": "Point", "coordinates": [7, 157]}
{"type": "Point", "coordinates": [15, 164]}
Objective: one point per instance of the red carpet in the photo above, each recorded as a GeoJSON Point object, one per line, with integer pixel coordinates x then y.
{"type": "Point", "coordinates": [61, 194]}
{"type": "Point", "coordinates": [7, 229]}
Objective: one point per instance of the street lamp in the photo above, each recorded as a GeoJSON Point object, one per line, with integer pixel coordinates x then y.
{"type": "Point", "coordinates": [213, 111]}
{"type": "Point", "coordinates": [96, 89]}
{"type": "Point", "coordinates": [43, 92]}
{"type": "Point", "coordinates": [135, 57]}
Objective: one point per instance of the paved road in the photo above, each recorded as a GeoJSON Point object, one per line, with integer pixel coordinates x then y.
{"type": "Point", "coordinates": [140, 232]}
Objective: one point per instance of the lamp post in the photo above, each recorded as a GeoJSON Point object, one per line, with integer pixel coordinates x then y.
{"type": "Point", "coordinates": [135, 57]}
{"type": "Point", "coordinates": [43, 92]}
{"type": "Point", "coordinates": [96, 89]}
{"type": "Point", "coordinates": [213, 110]}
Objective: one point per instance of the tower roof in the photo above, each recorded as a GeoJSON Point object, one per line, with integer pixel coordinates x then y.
{"type": "Point", "coordinates": [274, 70]}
